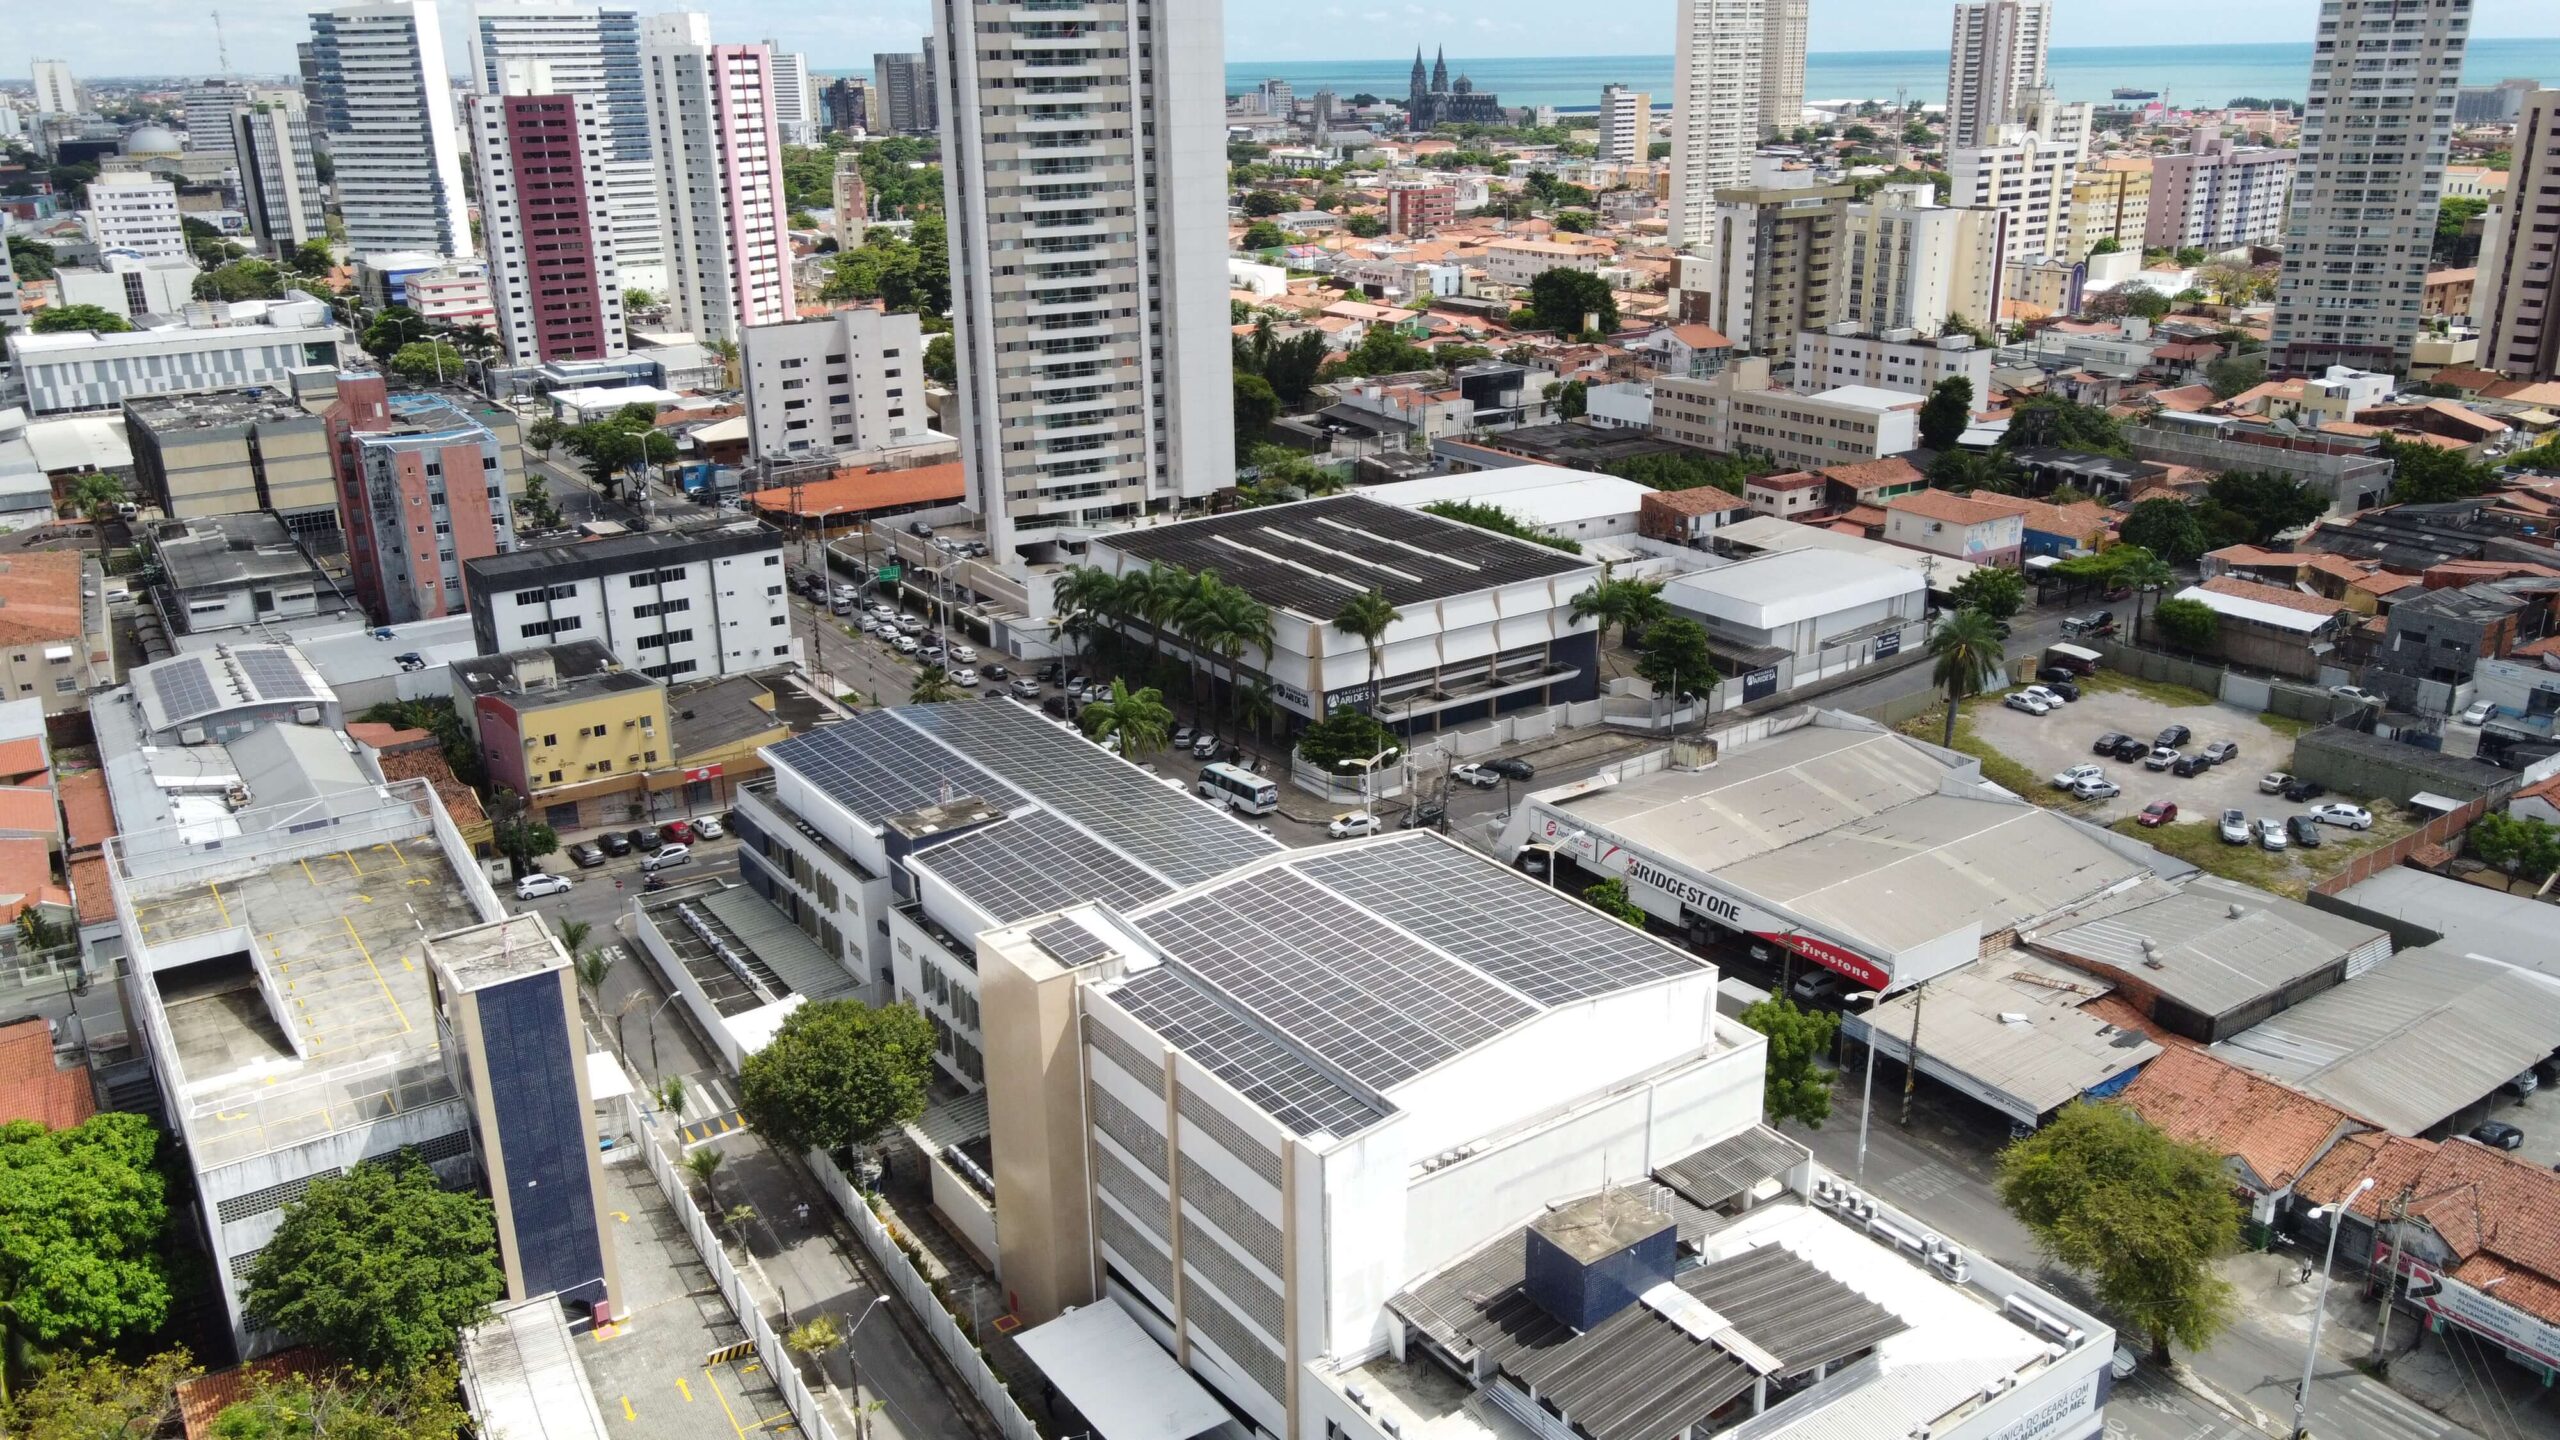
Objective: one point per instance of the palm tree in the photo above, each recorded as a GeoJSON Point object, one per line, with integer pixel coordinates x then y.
{"type": "Point", "coordinates": [1368, 617]}
{"type": "Point", "coordinates": [96, 498]}
{"type": "Point", "coordinates": [2144, 573]}
{"type": "Point", "coordinates": [727, 350]}
{"type": "Point", "coordinates": [1138, 717]}
{"type": "Point", "coordinates": [933, 687]}
{"type": "Point", "coordinates": [1970, 657]}
{"type": "Point", "coordinates": [593, 967]}
{"type": "Point", "coordinates": [1255, 709]}
{"type": "Point", "coordinates": [1630, 605]}
{"type": "Point", "coordinates": [1087, 600]}
{"type": "Point", "coordinates": [1227, 622]}
{"type": "Point", "coordinates": [1155, 595]}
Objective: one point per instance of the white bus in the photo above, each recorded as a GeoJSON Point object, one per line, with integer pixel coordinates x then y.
{"type": "Point", "coordinates": [1239, 790]}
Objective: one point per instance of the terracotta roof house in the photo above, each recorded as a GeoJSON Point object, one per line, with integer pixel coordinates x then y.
{"type": "Point", "coordinates": [2269, 1135]}
{"type": "Point", "coordinates": [33, 1087]}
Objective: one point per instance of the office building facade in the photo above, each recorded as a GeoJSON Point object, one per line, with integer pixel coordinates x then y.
{"type": "Point", "coordinates": [1715, 107]}
{"type": "Point", "coordinates": [422, 490]}
{"type": "Point", "coordinates": [207, 106]}
{"type": "Point", "coordinates": [1907, 262]}
{"type": "Point", "coordinates": [545, 222]}
{"type": "Point", "coordinates": [137, 215]}
{"type": "Point", "coordinates": [1771, 265]}
{"type": "Point", "coordinates": [2376, 128]}
{"type": "Point", "coordinates": [795, 101]}
{"type": "Point", "coordinates": [57, 93]}
{"type": "Point", "coordinates": [593, 52]}
{"type": "Point", "coordinates": [1089, 285]}
{"type": "Point", "coordinates": [853, 380]}
{"type": "Point", "coordinates": [279, 179]}
{"type": "Point", "coordinates": [908, 105]}
{"type": "Point", "coordinates": [1995, 64]}
{"type": "Point", "coordinates": [2218, 195]}
{"type": "Point", "coordinates": [386, 105]}
{"type": "Point", "coordinates": [672, 604]}
{"type": "Point", "coordinates": [1626, 126]}
{"type": "Point", "coordinates": [719, 169]}
{"type": "Point", "coordinates": [2514, 299]}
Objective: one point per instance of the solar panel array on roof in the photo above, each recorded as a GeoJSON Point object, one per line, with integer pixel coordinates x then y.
{"type": "Point", "coordinates": [876, 765]}
{"type": "Point", "coordinates": [1270, 1076]}
{"type": "Point", "coordinates": [1312, 556]}
{"type": "Point", "coordinates": [184, 690]}
{"type": "Point", "coordinates": [274, 675]}
{"type": "Point", "coordinates": [1522, 934]}
{"type": "Point", "coordinates": [1369, 998]}
{"type": "Point", "coordinates": [1070, 943]}
{"type": "Point", "coordinates": [1161, 828]}
{"type": "Point", "coordinates": [1036, 863]}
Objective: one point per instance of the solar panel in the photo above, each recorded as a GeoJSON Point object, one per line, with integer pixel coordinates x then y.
{"type": "Point", "coordinates": [876, 766]}
{"type": "Point", "coordinates": [1037, 863]}
{"type": "Point", "coordinates": [1069, 943]}
{"type": "Point", "coordinates": [183, 688]}
{"type": "Point", "coordinates": [1369, 998]}
{"type": "Point", "coordinates": [1267, 1073]}
{"type": "Point", "coordinates": [1501, 922]}
{"type": "Point", "coordinates": [273, 675]}
{"type": "Point", "coordinates": [1163, 829]}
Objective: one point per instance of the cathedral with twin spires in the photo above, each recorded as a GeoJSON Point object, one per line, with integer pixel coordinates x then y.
{"type": "Point", "coordinates": [1433, 102]}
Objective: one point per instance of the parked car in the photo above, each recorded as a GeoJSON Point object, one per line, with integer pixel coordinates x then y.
{"type": "Point", "coordinates": [2339, 812]}
{"type": "Point", "coordinates": [2107, 743]}
{"type": "Point", "coordinates": [931, 650]}
{"type": "Point", "coordinates": [1352, 823]}
{"type": "Point", "coordinates": [537, 885]}
{"type": "Point", "coordinates": [1814, 985]}
{"type": "Point", "coordinates": [2270, 833]}
{"type": "Point", "coordinates": [995, 672]}
{"type": "Point", "coordinates": [2357, 693]}
{"type": "Point", "coordinates": [1425, 814]}
{"type": "Point", "coordinates": [2187, 767]}
{"type": "Point", "coordinates": [2173, 736]}
{"type": "Point", "coordinates": [2161, 758]}
{"type": "Point", "coordinates": [2131, 748]}
{"type": "Point", "coordinates": [667, 857]}
{"type": "Point", "coordinates": [2061, 684]}
{"type": "Point", "coordinates": [910, 624]}
{"type": "Point", "coordinates": [707, 827]}
{"type": "Point", "coordinates": [2096, 788]}
{"type": "Point", "coordinates": [2497, 1134]}
{"type": "Point", "coordinates": [1056, 705]}
{"type": "Point", "coordinates": [1512, 769]}
{"type": "Point", "coordinates": [2298, 790]}
{"type": "Point", "coordinates": [2222, 752]}
{"type": "Point", "coordinates": [2076, 774]}
{"type": "Point", "coordinates": [2273, 782]}
{"type": "Point", "coordinates": [2233, 827]}
{"type": "Point", "coordinates": [2033, 705]}
{"type": "Point", "coordinates": [615, 842]}
{"type": "Point", "coordinates": [2157, 814]}
{"type": "Point", "coordinates": [676, 832]}
{"type": "Point", "coordinates": [906, 645]}
{"type": "Point", "coordinates": [1025, 688]}
{"type": "Point", "coordinates": [586, 856]}
{"type": "Point", "coordinates": [2058, 675]}
{"type": "Point", "coordinates": [2479, 713]}
{"type": "Point", "coordinates": [965, 654]}
{"type": "Point", "coordinates": [639, 839]}
{"type": "Point", "coordinates": [2304, 830]}
{"type": "Point", "coordinates": [1480, 776]}
{"type": "Point", "coordinates": [1204, 746]}
{"type": "Point", "coordinates": [1181, 737]}
{"type": "Point", "coordinates": [2049, 695]}
{"type": "Point", "coordinates": [964, 676]}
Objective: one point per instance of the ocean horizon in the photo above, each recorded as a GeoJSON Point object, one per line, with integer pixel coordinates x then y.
{"type": "Point", "coordinates": [2206, 75]}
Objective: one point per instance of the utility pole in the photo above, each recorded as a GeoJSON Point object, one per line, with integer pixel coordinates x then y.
{"type": "Point", "coordinates": [2390, 1277]}
{"type": "Point", "coordinates": [1911, 1056]}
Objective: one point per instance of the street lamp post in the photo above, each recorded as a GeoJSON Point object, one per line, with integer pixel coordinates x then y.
{"type": "Point", "coordinates": [1867, 1095]}
{"type": "Point", "coordinates": [1367, 769]}
{"type": "Point", "coordinates": [2320, 1306]}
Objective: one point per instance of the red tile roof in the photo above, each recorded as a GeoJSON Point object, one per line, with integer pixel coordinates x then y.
{"type": "Point", "coordinates": [2187, 399]}
{"type": "Point", "coordinates": [1792, 480]}
{"type": "Point", "coordinates": [2500, 1216]}
{"type": "Point", "coordinates": [2239, 589]}
{"type": "Point", "coordinates": [1872, 474]}
{"type": "Point", "coordinates": [1953, 509]}
{"type": "Point", "coordinates": [202, 1400]}
{"type": "Point", "coordinates": [87, 816]}
{"type": "Point", "coordinates": [2276, 1132]}
{"type": "Point", "coordinates": [89, 890]}
{"type": "Point", "coordinates": [28, 810]}
{"type": "Point", "coordinates": [22, 757]}
{"type": "Point", "coordinates": [1700, 500]}
{"type": "Point", "coordinates": [40, 596]}
{"type": "Point", "coordinates": [388, 737]}
{"type": "Point", "coordinates": [852, 492]}
{"type": "Point", "coordinates": [31, 1088]}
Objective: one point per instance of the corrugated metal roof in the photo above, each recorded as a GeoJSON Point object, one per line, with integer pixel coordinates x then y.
{"type": "Point", "coordinates": [1730, 1166]}
{"type": "Point", "coordinates": [2409, 1042]}
{"type": "Point", "coordinates": [2212, 959]}
{"type": "Point", "coordinates": [2050, 1054]}
{"type": "Point", "coordinates": [792, 956]}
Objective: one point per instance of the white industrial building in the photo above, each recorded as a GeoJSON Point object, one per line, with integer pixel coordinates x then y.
{"type": "Point", "coordinates": [1361, 1172]}
{"type": "Point", "coordinates": [1769, 535]}
{"type": "Point", "coordinates": [251, 342]}
{"type": "Point", "coordinates": [1779, 621]}
{"type": "Point", "coordinates": [1888, 360]}
{"type": "Point", "coordinates": [130, 287]}
{"type": "Point", "coordinates": [1567, 504]}
{"type": "Point", "coordinates": [673, 604]}
{"type": "Point", "coordinates": [852, 380]}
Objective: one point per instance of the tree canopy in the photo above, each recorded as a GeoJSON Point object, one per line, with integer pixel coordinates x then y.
{"type": "Point", "coordinates": [2167, 528]}
{"type": "Point", "coordinates": [1795, 1086]}
{"type": "Point", "coordinates": [248, 278]}
{"type": "Point", "coordinates": [1947, 413]}
{"type": "Point", "coordinates": [1346, 734]}
{"type": "Point", "coordinates": [2424, 474]}
{"type": "Point", "coordinates": [1674, 658]}
{"type": "Point", "coordinates": [1485, 516]}
{"type": "Point", "coordinates": [1563, 298]}
{"type": "Point", "coordinates": [422, 361]}
{"type": "Point", "coordinates": [837, 1075]}
{"type": "Point", "coordinates": [1610, 898]}
{"type": "Point", "coordinates": [908, 274]}
{"type": "Point", "coordinates": [2187, 624]}
{"type": "Point", "coordinates": [325, 1404]}
{"type": "Point", "coordinates": [2234, 373]}
{"type": "Point", "coordinates": [2143, 1215]}
{"type": "Point", "coordinates": [81, 1216]}
{"type": "Point", "coordinates": [382, 1264]}
{"type": "Point", "coordinates": [99, 1397]}
{"type": "Point", "coordinates": [1995, 590]}
{"type": "Point", "coordinates": [1689, 470]}
{"type": "Point", "coordinates": [2043, 422]}
{"type": "Point", "coordinates": [58, 318]}
{"type": "Point", "coordinates": [1138, 719]}
{"type": "Point", "coordinates": [2266, 502]}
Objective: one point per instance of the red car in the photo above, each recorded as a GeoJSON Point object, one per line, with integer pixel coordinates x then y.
{"type": "Point", "coordinates": [676, 832]}
{"type": "Point", "coordinates": [2158, 813]}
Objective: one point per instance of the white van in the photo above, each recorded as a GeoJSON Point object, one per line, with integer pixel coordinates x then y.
{"type": "Point", "coordinates": [667, 857]}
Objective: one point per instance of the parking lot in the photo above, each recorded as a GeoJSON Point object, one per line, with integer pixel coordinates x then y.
{"type": "Point", "coordinates": [2048, 744]}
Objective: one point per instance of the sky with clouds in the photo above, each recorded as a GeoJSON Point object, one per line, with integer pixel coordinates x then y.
{"type": "Point", "coordinates": [112, 37]}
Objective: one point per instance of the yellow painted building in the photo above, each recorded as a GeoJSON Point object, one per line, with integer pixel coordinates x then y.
{"type": "Point", "coordinates": [2111, 201]}
{"type": "Point", "coordinates": [567, 728]}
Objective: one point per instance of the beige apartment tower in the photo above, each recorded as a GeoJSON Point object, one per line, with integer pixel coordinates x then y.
{"type": "Point", "coordinates": [1715, 107]}
{"type": "Point", "coordinates": [1770, 267]}
{"type": "Point", "coordinates": [2513, 301]}
{"type": "Point", "coordinates": [1782, 66]}
{"type": "Point", "coordinates": [1995, 64]}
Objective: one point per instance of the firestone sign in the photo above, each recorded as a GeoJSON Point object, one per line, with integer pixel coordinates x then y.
{"type": "Point", "coordinates": [1715, 905]}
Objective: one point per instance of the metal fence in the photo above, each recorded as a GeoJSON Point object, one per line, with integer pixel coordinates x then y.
{"type": "Point", "coordinates": [779, 1363]}
{"type": "Point", "coordinates": [927, 1307]}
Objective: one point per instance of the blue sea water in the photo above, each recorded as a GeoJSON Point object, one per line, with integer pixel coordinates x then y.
{"type": "Point", "coordinates": [2208, 75]}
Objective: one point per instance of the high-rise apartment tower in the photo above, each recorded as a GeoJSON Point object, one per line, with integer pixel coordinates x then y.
{"type": "Point", "coordinates": [1995, 64]}
{"type": "Point", "coordinates": [719, 167]}
{"type": "Point", "coordinates": [386, 104]}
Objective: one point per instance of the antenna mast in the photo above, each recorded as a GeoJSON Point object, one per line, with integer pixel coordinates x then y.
{"type": "Point", "coordinates": [221, 46]}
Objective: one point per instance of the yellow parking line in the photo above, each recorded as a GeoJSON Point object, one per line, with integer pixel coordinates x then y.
{"type": "Point", "coordinates": [307, 875]}
{"type": "Point", "coordinates": [351, 862]}
{"type": "Point", "coordinates": [627, 1412]}
{"type": "Point", "coordinates": [361, 949]}
{"type": "Point", "coordinates": [216, 888]}
{"type": "Point", "coordinates": [723, 1398]}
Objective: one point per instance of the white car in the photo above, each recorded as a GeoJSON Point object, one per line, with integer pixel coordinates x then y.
{"type": "Point", "coordinates": [1476, 775]}
{"type": "Point", "coordinates": [2235, 827]}
{"type": "Point", "coordinates": [535, 886]}
{"type": "Point", "coordinates": [907, 645]}
{"type": "Point", "coordinates": [964, 676]}
{"type": "Point", "coordinates": [2270, 834]}
{"type": "Point", "coordinates": [2052, 698]}
{"type": "Point", "coordinates": [2021, 700]}
{"type": "Point", "coordinates": [2097, 787]}
{"type": "Point", "coordinates": [2479, 713]}
{"type": "Point", "coordinates": [2357, 693]}
{"type": "Point", "coordinates": [706, 828]}
{"type": "Point", "coordinates": [1352, 823]}
{"type": "Point", "coordinates": [2076, 775]}
{"type": "Point", "coordinates": [910, 624]}
{"type": "Point", "coordinates": [966, 655]}
{"type": "Point", "coordinates": [2338, 812]}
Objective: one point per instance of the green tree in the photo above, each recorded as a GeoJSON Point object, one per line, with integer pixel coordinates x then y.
{"type": "Point", "coordinates": [2187, 624]}
{"type": "Point", "coordinates": [1485, 516]}
{"type": "Point", "coordinates": [1971, 657]}
{"type": "Point", "coordinates": [2454, 216]}
{"type": "Point", "coordinates": [1346, 734]}
{"type": "Point", "coordinates": [1675, 659]}
{"type": "Point", "coordinates": [1689, 470]}
{"type": "Point", "coordinates": [1256, 406]}
{"type": "Point", "coordinates": [838, 1075]}
{"type": "Point", "coordinates": [1609, 897]}
{"type": "Point", "coordinates": [99, 1397]}
{"type": "Point", "coordinates": [1629, 605]}
{"type": "Point", "coordinates": [31, 258]}
{"type": "Point", "coordinates": [2233, 374]}
{"type": "Point", "coordinates": [1138, 718]}
{"type": "Point", "coordinates": [2107, 245]}
{"type": "Point", "coordinates": [311, 259]}
{"type": "Point", "coordinates": [535, 507]}
{"type": "Point", "coordinates": [382, 1264]}
{"type": "Point", "coordinates": [243, 279]}
{"type": "Point", "coordinates": [1367, 618]}
{"type": "Point", "coordinates": [515, 833]}
{"type": "Point", "coordinates": [2145, 1216]}
{"type": "Point", "coordinates": [1966, 471]}
{"type": "Point", "coordinates": [2269, 503]}
{"type": "Point", "coordinates": [1564, 299]}
{"type": "Point", "coordinates": [934, 687]}
{"type": "Point", "coordinates": [425, 361]}
{"type": "Point", "coordinates": [1795, 1086]}
{"type": "Point", "coordinates": [1574, 222]}
{"type": "Point", "coordinates": [1263, 204]}
{"type": "Point", "coordinates": [2167, 528]}
{"type": "Point", "coordinates": [81, 1216]}
{"type": "Point", "coordinates": [392, 327]}
{"type": "Point", "coordinates": [942, 360]}
{"type": "Point", "coordinates": [1385, 350]}
{"type": "Point", "coordinates": [1573, 399]}
{"type": "Point", "coordinates": [1947, 414]}
{"type": "Point", "coordinates": [2055, 422]}
{"type": "Point", "coordinates": [97, 498]}
{"type": "Point", "coordinates": [1994, 590]}
{"type": "Point", "coordinates": [637, 298]}
{"type": "Point", "coordinates": [1363, 225]}
{"type": "Point", "coordinates": [1226, 622]}
{"type": "Point", "coordinates": [2424, 474]}
{"type": "Point", "coordinates": [61, 318]}
{"type": "Point", "coordinates": [330, 1404]}
{"type": "Point", "coordinates": [2519, 845]}
{"type": "Point", "coordinates": [1263, 235]}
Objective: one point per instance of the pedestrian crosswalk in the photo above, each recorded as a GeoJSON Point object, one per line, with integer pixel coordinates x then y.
{"type": "Point", "coordinates": [2367, 1409]}
{"type": "Point", "coordinates": [713, 1128]}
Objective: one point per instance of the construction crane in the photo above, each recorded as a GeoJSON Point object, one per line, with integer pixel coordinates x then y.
{"type": "Point", "coordinates": [221, 46]}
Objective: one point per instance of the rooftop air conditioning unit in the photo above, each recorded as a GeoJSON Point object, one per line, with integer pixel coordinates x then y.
{"type": "Point", "coordinates": [307, 715]}
{"type": "Point", "coordinates": [192, 735]}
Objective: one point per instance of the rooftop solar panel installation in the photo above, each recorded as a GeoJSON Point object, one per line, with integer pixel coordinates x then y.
{"type": "Point", "coordinates": [1269, 1074]}
{"type": "Point", "coordinates": [1037, 863]}
{"type": "Point", "coordinates": [274, 675]}
{"type": "Point", "coordinates": [1312, 556]}
{"type": "Point", "coordinates": [184, 689]}
{"type": "Point", "coordinates": [877, 766]}
{"type": "Point", "coordinates": [1515, 929]}
{"type": "Point", "coordinates": [1069, 943]}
